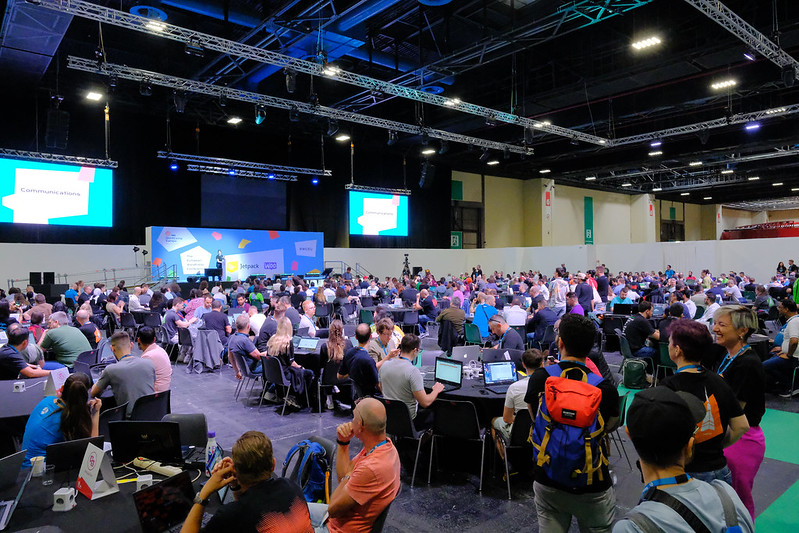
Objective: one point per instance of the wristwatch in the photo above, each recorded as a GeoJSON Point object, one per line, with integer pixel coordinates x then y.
{"type": "Point", "coordinates": [201, 501]}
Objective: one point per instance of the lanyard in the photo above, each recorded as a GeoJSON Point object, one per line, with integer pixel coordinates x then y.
{"type": "Point", "coordinates": [688, 367]}
{"type": "Point", "coordinates": [502, 338]}
{"type": "Point", "coordinates": [729, 361]}
{"type": "Point", "coordinates": [385, 349]}
{"type": "Point", "coordinates": [678, 480]}
{"type": "Point", "coordinates": [242, 334]}
{"type": "Point", "coordinates": [379, 444]}
{"type": "Point", "coordinates": [124, 356]}
{"type": "Point", "coordinates": [786, 323]}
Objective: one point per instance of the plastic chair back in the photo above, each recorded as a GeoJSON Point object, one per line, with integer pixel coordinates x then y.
{"type": "Point", "coordinates": [665, 361]}
{"type": "Point", "coordinates": [273, 371]}
{"type": "Point", "coordinates": [398, 419]}
{"type": "Point", "coordinates": [521, 429]}
{"type": "Point", "coordinates": [700, 310]}
{"type": "Point", "coordinates": [80, 366]}
{"type": "Point", "coordinates": [380, 521]}
{"type": "Point", "coordinates": [193, 428]}
{"type": "Point", "coordinates": [184, 337]}
{"type": "Point", "coordinates": [367, 317]}
{"type": "Point", "coordinates": [152, 319]}
{"type": "Point", "coordinates": [472, 333]}
{"type": "Point", "coordinates": [330, 374]}
{"type": "Point", "coordinates": [367, 301]}
{"type": "Point", "coordinates": [126, 320]}
{"type": "Point", "coordinates": [411, 318]}
{"type": "Point", "coordinates": [624, 345]}
{"type": "Point", "coordinates": [151, 407]}
{"type": "Point", "coordinates": [548, 338]}
{"type": "Point", "coordinates": [89, 358]}
{"type": "Point", "coordinates": [111, 415]}
{"type": "Point", "coordinates": [455, 418]}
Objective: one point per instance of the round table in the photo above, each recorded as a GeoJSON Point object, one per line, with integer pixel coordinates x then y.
{"type": "Point", "coordinates": [489, 404]}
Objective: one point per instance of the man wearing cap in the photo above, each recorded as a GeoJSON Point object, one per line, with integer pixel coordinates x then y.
{"type": "Point", "coordinates": [661, 424]}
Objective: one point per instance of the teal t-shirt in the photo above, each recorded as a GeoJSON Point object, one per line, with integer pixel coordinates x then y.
{"type": "Point", "coordinates": [43, 429]}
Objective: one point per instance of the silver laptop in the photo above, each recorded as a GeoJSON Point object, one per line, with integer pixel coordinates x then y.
{"type": "Point", "coordinates": [464, 354]}
{"type": "Point", "coordinates": [9, 472]}
{"type": "Point", "coordinates": [308, 343]}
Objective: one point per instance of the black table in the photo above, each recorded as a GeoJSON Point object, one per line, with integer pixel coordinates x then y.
{"type": "Point", "coordinates": [112, 513]}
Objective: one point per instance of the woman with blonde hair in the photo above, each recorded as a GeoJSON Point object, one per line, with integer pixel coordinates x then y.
{"type": "Point", "coordinates": [281, 347]}
{"type": "Point", "coordinates": [742, 369]}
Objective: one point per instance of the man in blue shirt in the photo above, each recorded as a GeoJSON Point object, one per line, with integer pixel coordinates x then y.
{"type": "Point", "coordinates": [72, 293]}
{"type": "Point", "coordinates": [359, 365]}
{"type": "Point", "coordinates": [620, 299]}
{"type": "Point", "coordinates": [669, 273]}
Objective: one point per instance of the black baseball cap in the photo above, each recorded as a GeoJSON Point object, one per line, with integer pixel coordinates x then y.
{"type": "Point", "coordinates": [663, 420]}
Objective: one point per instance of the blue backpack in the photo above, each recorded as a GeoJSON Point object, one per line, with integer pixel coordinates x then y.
{"type": "Point", "coordinates": [567, 431]}
{"type": "Point", "coordinates": [311, 470]}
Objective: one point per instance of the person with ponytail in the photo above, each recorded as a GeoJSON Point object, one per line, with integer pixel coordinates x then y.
{"type": "Point", "coordinates": [57, 419]}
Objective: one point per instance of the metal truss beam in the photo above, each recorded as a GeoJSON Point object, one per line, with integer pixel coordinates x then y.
{"type": "Point", "coordinates": [240, 173]}
{"type": "Point", "coordinates": [227, 164]}
{"type": "Point", "coordinates": [727, 19]}
{"type": "Point", "coordinates": [366, 188]}
{"type": "Point", "coordinates": [176, 33]}
{"type": "Point", "coordinates": [183, 84]}
{"type": "Point", "coordinates": [739, 118]}
{"type": "Point", "coordinates": [58, 158]}
{"type": "Point", "coordinates": [777, 204]}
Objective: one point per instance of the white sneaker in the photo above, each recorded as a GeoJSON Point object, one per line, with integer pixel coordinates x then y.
{"type": "Point", "coordinates": [329, 403]}
{"type": "Point", "coordinates": [270, 396]}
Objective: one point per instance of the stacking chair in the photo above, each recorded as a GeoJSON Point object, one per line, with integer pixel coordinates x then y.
{"type": "Point", "coordinates": [367, 301]}
{"type": "Point", "coordinates": [380, 521]}
{"type": "Point", "coordinates": [193, 428]}
{"type": "Point", "coordinates": [664, 361]}
{"type": "Point", "coordinates": [128, 323]}
{"type": "Point", "coordinates": [323, 315]}
{"type": "Point", "coordinates": [247, 375]}
{"type": "Point", "coordinates": [457, 419]}
{"type": "Point", "coordinates": [367, 317]}
{"type": "Point", "coordinates": [111, 415]}
{"type": "Point", "coordinates": [547, 339]}
{"type": "Point", "coordinates": [349, 330]}
{"type": "Point", "coordinates": [184, 341]}
{"type": "Point", "coordinates": [273, 373]}
{"type": "Point", "coordinates": [411, 319]}
{"type": "Point", "coordinates": [700, 310]}
{"type": "Point", "coordinates": [329, 379]}
{"type": "Point", "coordinates": [624, 346]}
{"type": "Point", "coordinates": [80, 366]}
{"type": "Point", "coordinates": [399, 425]}
{"type": "Point", "coordinates": [521, 330]}
{"type": "Point", "coordinates": [472, 334]}
{"type": "Point", "coordinates": [151, 407]}
{"type": "Point", "coordinates": [517, 441]}
{"type": "Point", "coordinates": [89, 358]}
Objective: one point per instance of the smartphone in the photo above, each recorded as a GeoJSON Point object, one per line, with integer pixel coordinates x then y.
{"type": "Point", "coordinates": [551, 358]}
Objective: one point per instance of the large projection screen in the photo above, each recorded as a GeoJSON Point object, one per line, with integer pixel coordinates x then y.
{"type": "Point", "coordinates": [378, 214]}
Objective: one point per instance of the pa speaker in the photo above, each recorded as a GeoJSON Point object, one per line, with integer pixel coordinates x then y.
{"type": "Point", "coordinates": [48, 277]}
{"type": "Point", "coordinates": [427, 176]}
{"type": "Point", "coordinates": [417, 270]}
{"type": "Point", "coordinates": [35, 278]}
{"type": "Point", "coordinates": [57, 132]}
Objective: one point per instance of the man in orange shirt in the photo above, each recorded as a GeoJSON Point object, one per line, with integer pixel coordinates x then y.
{"type": "Point", "coordinates": [369, 482]}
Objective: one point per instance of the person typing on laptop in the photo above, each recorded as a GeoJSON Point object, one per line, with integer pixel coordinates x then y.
{"type": "Point", "coordinates": [532, 359]}
{"type": "Point", "coordinates": [263, 502]}
{"type": "Point", "coordinates": [402, 381]}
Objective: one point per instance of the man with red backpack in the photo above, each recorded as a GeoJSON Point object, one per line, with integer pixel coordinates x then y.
{"type": "Point", "coordinates": [572, 410]}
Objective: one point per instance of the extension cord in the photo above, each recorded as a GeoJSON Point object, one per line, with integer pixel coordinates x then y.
{"type": "Point", "coordinates": [155, 466]}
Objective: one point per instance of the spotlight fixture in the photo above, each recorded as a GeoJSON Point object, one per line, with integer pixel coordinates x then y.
{"type": "Point", "coordinates": [655, 153]}
{"type": "Point", "coordinates": [723, 84]}
{"type": "Point", "coordinates": [590, 178]}
{"type": "Point", "coordinates": [655, 144]}
{"type": "Point", "coordinates": [657, 189]}
{"type": "Point", "coordinates": [649, 42]}
{"type": "Point", "coordinates": [194, 49]}
{"type": "Point", "coordinates": [144, 252]}
{"type": "Point", "coordinates": [136, 249]}
{"type": "Point", "coordinates": [392, 138]}
{"type": "Point", "coordinates": [450, 102]}
{"type": "Point", "coordinates": [752, 126]}
{"type": "Point", "coordinates": [222, 100]}
{"type": "Point", "coordinates": [428, 151]}
{"type": "Point", "coordinates": [173, 166]}
{"type": "Point", "coordinates": [444, 148]}
{"type": "Point", "coordinates": [154, 25]}
{"type": "Point", "coordinates": [574, 142]}
{"type": "Point", "coordinates": [788, 76]}
{"type": "Point", "coordinates": [232, 171]}
{"type": "Point", "coordinates": [626, 184]}
{"type": "Point", "coordinates": [695, 164]}
{"type": "Point", "coordinates": [776, 110]}
{"type": "Point", "coordinates": [332, 127]}
{"type": "Point", "coordinates": [99, 56]}
{"type": "Point", "coordinates": [492, 162]}
{"type": "Point", "coordinates": [270, 176]}
{"type": "Point", "coordinates": [341, 137]}
{"type": "Point", "coordinates": [544, 171]}
{"type": "Point", "coordinates": [291, 80]}
{"type": "Point", "coordinates": [145, 87]}
{"type": "Point", "coordinates": [484, 155]}
{"type": "Point", "coordinates": [491, 121]}
{"type": "Point", "coordinates": [331, 70]}
{"type": "Point", "coordinates": [294, 115]}
{"type": "Point", "coordinates": [750, 54]}
{"type": "Point", "coordinates": [113, 81]}
{"type": "Point", "coordinates": [234, 120]}
{"type": "Point", "coordinates": [314, 99]}
{"type": "Point", "coordinates": [179, 99]}
{"type": "Point", "coordinates": [260, 114]}
{"type": "Point", "coordinates": [94, 96]}
{"type": "Point", "coordinates": [707, 198]}
{"type": "Point", "coordinates": [685, 194]}
{"type": "Point", "coordinates": [314, 181]}
{"type": "Point", "coordinates": [727, 171]}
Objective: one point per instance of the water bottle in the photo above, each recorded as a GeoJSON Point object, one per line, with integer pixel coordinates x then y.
{"type": "Point", "coordinates": [211, 453]}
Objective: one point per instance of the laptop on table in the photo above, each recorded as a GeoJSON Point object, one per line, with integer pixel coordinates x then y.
{"type": "Point", "coordinates": [449, 372]}
{"type": "Point", "coordinates": [164, 506]}
{"type": "Point", "coordinates": [658, 310]}
{"type": "Point", "coordinates": [69, 455]}
{"type": "Point", "coordinates": [308, 344]}
{"type": "Point", "coordinates": [159, 441]}
{"type": "Point", "coordinates": [465, 354]}
{"type": "Point", "coordinates": [498, 376]}
{"type": "Point", "coordinates": [9, 472]}
{"type": "Point", "coordinates": [623, 309]}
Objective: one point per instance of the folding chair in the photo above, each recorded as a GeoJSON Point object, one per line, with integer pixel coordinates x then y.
{"type": "Point", "coordinates": [273, 373]}
{"type": "Point", "coordinates": [329, 379]}
{"type": "Point", "coordinates": [151, 407]}
{"type": "Point", "coordinates": [519, 433]}
{"type": "Point", "coordinates": [400, 426]}
{"type": "Point", "coordinates": [457, 419]}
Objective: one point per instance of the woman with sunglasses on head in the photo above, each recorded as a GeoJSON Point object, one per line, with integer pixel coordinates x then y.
{"type": "Point", "coordinates": [742, 369]}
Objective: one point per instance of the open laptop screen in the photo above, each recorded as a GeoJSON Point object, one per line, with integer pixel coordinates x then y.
{"type": "Point", "coordinates": [501, 372]}
{"type": "Point", "coordinates": [165, 504]}
{"type": "Point", "coordinates": [159, 441]}
{"type": "Point", "coordinates": [448, 371]}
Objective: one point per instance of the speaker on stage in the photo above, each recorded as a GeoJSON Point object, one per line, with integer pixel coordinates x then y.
{"type": "Point", "coordinates": [48, 278]}
{"type": "Point", "coordinates": [427, 176]}
{"type": "Point", "coordinates": [57, 133]}
{"type": "Point", "coordinates": [35, 278]}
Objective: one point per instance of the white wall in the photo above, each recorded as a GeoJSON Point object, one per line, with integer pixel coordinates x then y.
{"type": "Point", "coordinates": [84, 260]}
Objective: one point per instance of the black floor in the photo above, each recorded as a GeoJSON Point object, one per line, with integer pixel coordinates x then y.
{"type": "Point", "coordinates": [451, 502]}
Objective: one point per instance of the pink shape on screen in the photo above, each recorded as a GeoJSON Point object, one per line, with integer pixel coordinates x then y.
{"type": "Point", "coordinates": [156, 261]}
{"type": "Point", "coordinates": [294, 265]}
{"type": "Point", "coordinates": [86, 174]}
{"type": "Point", "coordinates": [216, 235]}
{"type": "Point", "coordinates": [395, 200]}
{"type": "Point", "coordinates": [273, 235]}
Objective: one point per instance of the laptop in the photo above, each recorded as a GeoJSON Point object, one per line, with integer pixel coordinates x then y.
{"type": "Point", "coordinates": [658, 310]}
{"type": "Point", "coordinates": [498, 376]}
{"type": "Point", "coordinates": [159, 441]}
{"type": "Point", "coordinates": [8, 507]}
{"type": "Point", "coordinates": [465, 354]}
{"type": "Point", "coordinates": [9, 469]}
{"type": "Point", "coordinates": [302, 332]}
{"type": "Point", "coordinates": [69, 455]}
{"type": "Point", "coordinates": [449, 372]}
{"type": "Point", "coordinates": [164, 506]}
{"type": "Point", "coordinates": [492, 355]}
{"type": "Point", "coordinates": [623, 309]}
{"type": "Point", "coordinates": [309, 344]}
{"type": "Point", "coordinates": [600, 308]}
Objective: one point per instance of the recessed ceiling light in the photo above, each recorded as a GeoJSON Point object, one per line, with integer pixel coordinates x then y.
{"type": "Point", "coordinates": [428, 151]}
{"type": "Point", "coordinates": [234, 120]}
{"type": "Point", "coordinates": [795, 189]}
{"type": "Point", "coordinates": [727, 171]}
{"type": "Point", "coordinates": [684, 193]}
{"type": "Point", "coordinates": [723, 84]}
{"type": "Point", "coordinates": [590, 178]}
{"type": "Point", "coordinates": [94, 96]}
{"type": "Point", "coordinates": [655, 153]}
{"type": "Point", "coordinates": [753, 178]}
{"type": "Point", "coordinates": [626, 184]}
{"type": "Point", "coordinates": [646, 43]}
{"type": "Point", "coordinates": [493, 162]}
{"type": "Point", "coordinates": [657, 189]}
{"type": "Point", "coordinates": [695, 163]}
{"type": "Point", "coordinates": [544, 171]}
{"type": "Point", "coordinates": [707, 198]}
{"type": "Point", "coordinates": [777, 184]}
{"type": "Point", "coordinates": [341, 137]}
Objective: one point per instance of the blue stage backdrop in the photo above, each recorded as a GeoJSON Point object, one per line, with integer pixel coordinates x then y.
{"type": "Point", "coordinates": [246, 252]}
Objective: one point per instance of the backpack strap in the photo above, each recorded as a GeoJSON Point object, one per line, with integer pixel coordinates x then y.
{"type": "Point", "coordinates": [643, 522]}
{"type": "Point", "coordinates": [680, 508]}
{"type": "Point", "coordinates": [730, 515]}
{"type": "Point", "coordinates": [300, 447]}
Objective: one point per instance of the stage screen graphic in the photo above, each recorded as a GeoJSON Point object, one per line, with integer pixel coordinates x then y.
{"type": "Point", "coordinates": [246, 252]}
{"type": "Point", "coordinates": [33, 192]}
{"type": "Point", "coordinates": [378, 214]}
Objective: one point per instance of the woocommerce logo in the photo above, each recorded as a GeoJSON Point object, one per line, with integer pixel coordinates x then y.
{"type": "Point", "coordinates": [270, 265]}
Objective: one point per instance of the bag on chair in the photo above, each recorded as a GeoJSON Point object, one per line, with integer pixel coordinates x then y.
{"type": "Point", "coordinates": [633, 374]}
{"type": "Point", "coordinates": [311, 470]}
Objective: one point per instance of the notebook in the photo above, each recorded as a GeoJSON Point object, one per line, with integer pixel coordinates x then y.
{"type": "Point", "coordinates": [449, 372]}
{"type": "Point", "coordinates": [164, 506]}
{"type": "Point", "coordinates": [497, 377]}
